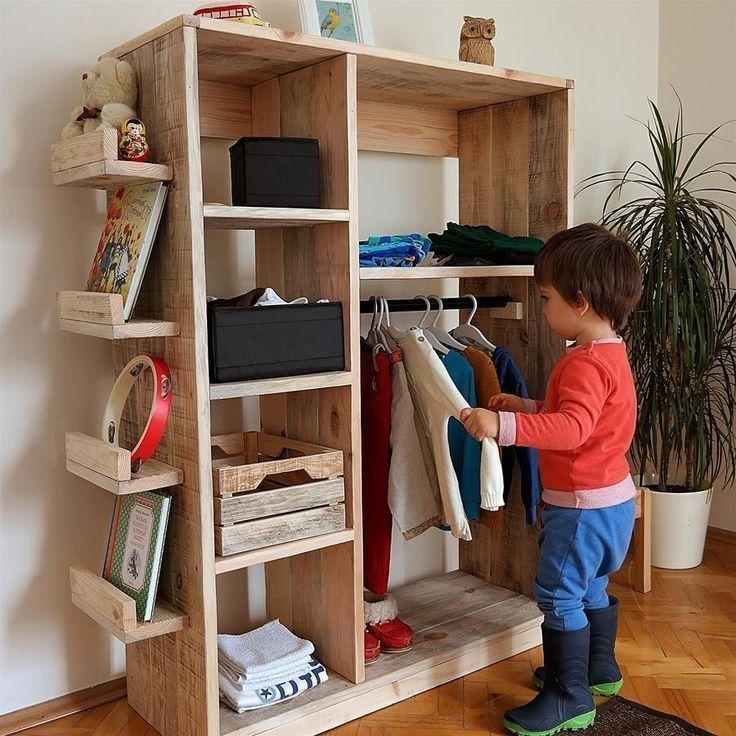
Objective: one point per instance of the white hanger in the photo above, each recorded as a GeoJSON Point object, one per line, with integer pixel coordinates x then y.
{"type": "Point", "coordinates": [385, 329]}
{"type": "Point", "coordinates": [442, 335]}
{"type": "Point", "coordinates": [431, 339]}
{"type": "Point", "coordinates": [470, 333]}
{"type": "Point", "coordinates": [371, 337]}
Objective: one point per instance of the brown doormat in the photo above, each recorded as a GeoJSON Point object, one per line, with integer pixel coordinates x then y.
{"type": "Point", "coordinates": [621, 717]}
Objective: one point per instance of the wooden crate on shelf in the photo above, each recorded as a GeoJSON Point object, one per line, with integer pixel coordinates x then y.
{"type": "Point", "coordinates": [270, 490]}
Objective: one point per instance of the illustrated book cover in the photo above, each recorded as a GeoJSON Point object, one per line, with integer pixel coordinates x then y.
{"type": "Point", "coordinates": [135, 547]}
{"type": "Point", "coordinates": [126, 241]}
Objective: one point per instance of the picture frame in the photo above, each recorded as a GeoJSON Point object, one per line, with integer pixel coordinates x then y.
{"type": "Point", "coordinates": [346, 20]}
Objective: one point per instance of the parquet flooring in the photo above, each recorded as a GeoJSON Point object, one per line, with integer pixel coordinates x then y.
{"type": "Point", "coordinates": [677, 648]}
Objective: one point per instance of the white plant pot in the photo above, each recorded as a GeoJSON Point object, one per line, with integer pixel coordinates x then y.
{"type": "Point", "coordinates": [679, 525]}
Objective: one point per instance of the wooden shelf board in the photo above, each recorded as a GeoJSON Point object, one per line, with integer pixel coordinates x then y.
{"type": "Point", "coordinates": [133, 329]}
{"type": "Point", "coordinates": [444, 272]}
{"type": "Point", "coordinates": [288, 384]}
{"type": "Point", "coordinates": [226, 217]}
{"type": "Point", "coordinates": [460, 623]}
{"type": "Point", "coordinates": [108, 174]}
{"type": "Point", "coordinates": [115, 611]}
{"type": "Point", "coordinates": [279, 551]}
{"type": "Point", "coordinates": [247, 55]}
{"type": "Point", "coordinates": [152, 476]}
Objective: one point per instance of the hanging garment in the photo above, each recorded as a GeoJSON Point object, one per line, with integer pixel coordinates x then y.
{"type": "Point", "coordinates": [464, 449]}
{"type": "Point", "coordinates": [486, 378]}
{"type": "Point", "coordinates": [512, 382]}
{"type": "Point", "coordinates": [375, 405]}
{"type": "Point", "coordinates": [412, 497]}
{"type": "Point", "coordinates": [439, 400]}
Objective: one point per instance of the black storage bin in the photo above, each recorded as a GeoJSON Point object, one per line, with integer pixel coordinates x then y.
{"type": "Point", "coordinates": [246, 343]}
{"type": "Point", "coordinates": [275, 172]}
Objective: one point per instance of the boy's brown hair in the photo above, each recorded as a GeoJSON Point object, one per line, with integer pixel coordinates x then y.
{"type": "Point", "coordinates": [592, 261]}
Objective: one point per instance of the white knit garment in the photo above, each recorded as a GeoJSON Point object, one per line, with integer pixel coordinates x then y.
{"type": "Point", "coordinates": [439, 400]}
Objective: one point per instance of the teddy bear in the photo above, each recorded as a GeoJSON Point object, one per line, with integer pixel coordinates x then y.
{"type": "Point", "coordinates": [109, 94]}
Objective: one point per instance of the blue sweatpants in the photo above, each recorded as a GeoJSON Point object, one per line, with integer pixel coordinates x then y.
{"type": "Point", "coordinates": [578, 550]}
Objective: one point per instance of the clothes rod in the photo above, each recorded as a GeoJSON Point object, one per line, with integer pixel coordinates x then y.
{"type": "Point", "coordinates": [367, 306]}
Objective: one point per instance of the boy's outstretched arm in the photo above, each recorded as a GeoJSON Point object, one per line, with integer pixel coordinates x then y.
{"type": "Point", "coordinates": [582, 391]}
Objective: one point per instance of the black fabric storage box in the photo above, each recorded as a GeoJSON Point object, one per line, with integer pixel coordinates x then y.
{"type": "Point", "coordinates": [246, 343]}
{"type": "Point", "coordinates": [275, 172]}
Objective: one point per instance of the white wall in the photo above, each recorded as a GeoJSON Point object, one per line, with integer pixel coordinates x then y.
{"type": "Point", "coordinates": [697, 56]}
{"type": "Point", "coordinates": [53, 381]}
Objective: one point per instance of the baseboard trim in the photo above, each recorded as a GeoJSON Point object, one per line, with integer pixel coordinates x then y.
{"type": "Point", "coordinates": [722, 535]}
{"type": "Point", "coordinates": [65, 705]}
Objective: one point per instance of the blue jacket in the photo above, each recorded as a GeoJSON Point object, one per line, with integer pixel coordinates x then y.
{"type": "Point", "coordinates": [465, 451]}
{"type": "Point", "coordinates": [512, 382]}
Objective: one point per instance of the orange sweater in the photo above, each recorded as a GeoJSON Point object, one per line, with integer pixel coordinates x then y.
{"type": "Point", "coordinates": [584, 429]}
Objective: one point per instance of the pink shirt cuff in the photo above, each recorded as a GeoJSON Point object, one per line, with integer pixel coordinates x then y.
{"type": "Point", "coordinates": [506, 428]}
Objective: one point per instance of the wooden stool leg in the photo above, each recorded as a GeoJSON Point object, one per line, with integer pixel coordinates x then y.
{"type": "Point", "coordinates": [642, 541]}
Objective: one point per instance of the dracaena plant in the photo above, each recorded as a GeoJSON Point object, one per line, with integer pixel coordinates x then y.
{"type": "Point", "coordinates": [681, 336]}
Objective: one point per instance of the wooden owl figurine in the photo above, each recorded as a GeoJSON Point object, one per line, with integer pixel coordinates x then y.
{"type": "Point", "coordinates": [475, 40]}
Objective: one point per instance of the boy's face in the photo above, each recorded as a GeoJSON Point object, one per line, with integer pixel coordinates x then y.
{"type": "Point", "coordinates": [563, 318]}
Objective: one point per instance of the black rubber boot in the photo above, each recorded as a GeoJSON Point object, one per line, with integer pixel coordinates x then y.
{"type": "Point", "coordinates": [565, 702]}
{"type": "Point", "coordinates": [604, 675]}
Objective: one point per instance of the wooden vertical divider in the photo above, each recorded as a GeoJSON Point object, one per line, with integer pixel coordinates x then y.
{"type": "Point", "coordinates": [318, 594]}
{"type": "Point", "coordinates": [515, 171]}
{"type": "Point", "coordinates": [172, 680]}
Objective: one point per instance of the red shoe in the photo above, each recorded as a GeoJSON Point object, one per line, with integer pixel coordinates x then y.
{"type": "Point", "coordinates": [371, 648]}
{"type": "Point", "coordinates": [383, 622]}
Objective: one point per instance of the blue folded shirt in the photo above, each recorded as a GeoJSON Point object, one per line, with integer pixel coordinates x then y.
{"type": "Point", "coordinates": [403, 251]}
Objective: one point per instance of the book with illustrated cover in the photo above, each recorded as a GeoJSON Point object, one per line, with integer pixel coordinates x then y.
{"type": "Point", "coordinates": [126, 241]}
{"type": "Point", "coordinates": [135, 547]}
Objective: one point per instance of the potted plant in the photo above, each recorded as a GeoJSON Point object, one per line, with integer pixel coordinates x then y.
{"type": "Point", "coordinates": [681, 337]}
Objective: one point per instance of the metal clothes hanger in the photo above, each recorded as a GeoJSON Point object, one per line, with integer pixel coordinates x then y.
{"type": "Point", "coordinates": [470, 333]}
{"type": "Point", "coordinates": [442, 335]}
{"type": "Point", "coordinates": [431, 339]}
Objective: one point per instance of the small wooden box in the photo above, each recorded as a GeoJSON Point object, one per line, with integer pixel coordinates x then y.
{"type": "Point", "coordinates": [270, 490]}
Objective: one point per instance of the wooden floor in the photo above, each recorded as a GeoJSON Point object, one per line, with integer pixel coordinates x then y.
{"type": "Point", "coordinates": [677, 648]}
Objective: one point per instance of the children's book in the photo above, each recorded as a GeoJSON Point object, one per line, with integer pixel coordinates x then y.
{"type": "Point", "coordinates": [135, 547]}
{"type": "Point", "coordinates": [126, 241]}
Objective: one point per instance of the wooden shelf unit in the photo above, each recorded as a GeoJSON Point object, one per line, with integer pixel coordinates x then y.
{"type": "Point", "coordinates": [115, 611]}
{"type": "Point", "coordinates": [101, 315]}
{"type": "Point", "coordinates": [511, 132]}
{"type": "Point", "coordinates": [225, 217]}
{"type": "Point", "coordinates": [91, 160]}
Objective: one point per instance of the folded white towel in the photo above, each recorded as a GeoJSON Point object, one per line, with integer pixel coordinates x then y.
{"type": "Point", "coordinates": [262, 650]}
{"type": "Point", "coordinates": [311, 676]}
{"type": "Point", "coordinates": [266, 677]}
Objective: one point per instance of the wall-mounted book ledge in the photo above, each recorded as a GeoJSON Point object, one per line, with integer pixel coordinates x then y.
{"type": "Point", "coordinates": [101, 315]}
{"type": "Point", "coordinates": [115, 611]}
{"type": "Point", "coordinates": [109, 467]}
{"type": "Point", "coordinates": [91, 160]}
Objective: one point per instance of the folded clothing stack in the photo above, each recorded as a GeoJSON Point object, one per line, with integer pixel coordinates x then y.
{"type": "Point", "coordinates": [265, 666]}
{"type": "Point", "coordinates": [403, 251]}
{"type": "Point", "coordinates": [479, 245]}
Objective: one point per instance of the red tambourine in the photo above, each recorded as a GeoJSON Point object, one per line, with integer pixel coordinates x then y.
{"type": "Point", "coordinates": [158, 416]}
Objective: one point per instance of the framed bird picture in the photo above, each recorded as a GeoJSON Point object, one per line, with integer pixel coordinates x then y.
{"type": "Point", "coordinates": [344, 21]}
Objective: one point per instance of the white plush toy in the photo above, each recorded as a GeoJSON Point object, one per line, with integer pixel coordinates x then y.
{"type": "Point", "coordinates": [109, 94]}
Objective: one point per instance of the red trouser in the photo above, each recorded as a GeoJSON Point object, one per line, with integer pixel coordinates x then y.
{"type": "Point", "coordinates": [376, 430]}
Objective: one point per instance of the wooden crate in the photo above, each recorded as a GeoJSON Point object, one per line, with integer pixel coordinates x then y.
{"type": "Point", "coordinates": [270, 490]}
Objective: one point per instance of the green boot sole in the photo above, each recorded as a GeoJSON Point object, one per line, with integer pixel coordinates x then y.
{"type": "Point", "coordinates": [606, 689]}
{"type": "Point", "coordinates": [573, 724]}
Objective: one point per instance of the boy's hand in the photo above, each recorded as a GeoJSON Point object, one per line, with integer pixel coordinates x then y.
{"type": "Point", "coordinates": [506, 402]}
{"type": "Point", "coordinates": [480, 423]}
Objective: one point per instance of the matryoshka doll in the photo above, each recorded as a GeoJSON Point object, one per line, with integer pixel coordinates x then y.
{"type": "Point", "coordinates": [133, 145]}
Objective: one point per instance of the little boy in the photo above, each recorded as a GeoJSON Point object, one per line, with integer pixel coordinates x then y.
{"type": "Point", "coordinates": [590, 281]}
